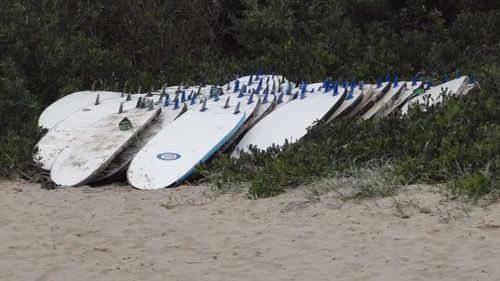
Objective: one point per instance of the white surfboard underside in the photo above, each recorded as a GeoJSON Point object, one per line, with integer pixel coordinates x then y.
{"type": "Point", "coordinates": [194, 137]}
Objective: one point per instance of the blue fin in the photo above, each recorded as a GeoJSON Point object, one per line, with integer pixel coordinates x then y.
{"type": "Point", "coordinates": [267, 80]}
{"type": "Point", "coordinates": [351, 94]}
{"type": "Point", "coordinates": [379, 82]}
{"type": "Point", "coordinates": [176, 104]}
{"type": "Point", "coordinates": [167, 100]}
{"type": "Point", "coordinates": [472, 79]}
{"type": "Point", "coordinates": [289, 90]}
{"type": "Point", "coordinates": [388, 77]}
{"type": "Point", "coordinates": [183, 96]}
{"type": "Point", "coordinates": [429, 85]}
{"type": "Point", "coordinates": [250, 80]}
{"type": "Point", "coordinates": [259, 85]}
{"type": "Point", "coordinates": [361, 85]}
{"type": "Point", "coordinates": [204, 106]}
{"type": "Point", "coordinates": [193, 99]}
{"type": "Point", "coordinates": [236, 86]}
{"type": "Point", "coordinates": [280, 99]}
{"type": "Point", "coordinates": [227, 102]}
{"type": "Point", "coordinates": [396, 81]}
{"type": "Point", "coordinates": [250, 99]}
{"type": "Point", "coordinates": [265, 99]}
{"type": "Point", "coordinates": [237, 109]}
{"type": "Point", "coordinates": [241, 94]}
{"type": "Point", "coordinates": [414, 81]}
{"type": "Point", "coordinates": [217, 95]}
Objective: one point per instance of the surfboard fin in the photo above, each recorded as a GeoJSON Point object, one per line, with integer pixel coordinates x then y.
{"type": "Point", "coordinates": [472, 79]}
{"type": "Point", "coordinates": [236, 86]}
{"type": "Point", "coordinates": [387, 77]}
{"type": "Point", "coordinates": [379, 82]}
{"type": "Point", "coordinates": [176, 104]}
{"type": "Point", "coordinates": [217, 95]}
{"type": "Point", "coordinates": [361, 85]}
{"type": "Point", "coordinates": [226, 105]}
{"type": "Point", "coordinates": [429, 85]}
{"type": "Point", "coordinates": [250, 99]}
{"type": "Point", "coordinates": [446, 79]}
{"type": "Point", "coordinates": [167, 100]}
{"type": "Point", "coordinates": [150, 92]}
{"type": "Point", "coordinates": [280, 99]}
{"type": "Point", "coordinates": [250, 80]}
{"type": "Point", "coordinates": [458, 73]}
{"type": "Point", "coordinates": [396, 81]}
{"type": "Point", "coordinates": [183, 96]}
{"type": "Point", "coordinates": [193, 98]}
{"type": "Point", "coordinates": [120, 110]}
{"type": "Point", "coordinates": [351, 94]}
{"type": "Point", "coordinates": [97, 101]}
{"type": "Point", "coordinates": [204, 106]}
{"type": "Point", "coordinates": [122, 95]}
{"type": "Point", "coordinates": [139, 102]}
{"type": "Point", "coordinates": [129, 97]}
{"type": "Point", "coordinates": [414, 81]}
{"type": "Point", "coordinates": [265, 99]}
{"type": "Point", "coordinates": [237, 109]}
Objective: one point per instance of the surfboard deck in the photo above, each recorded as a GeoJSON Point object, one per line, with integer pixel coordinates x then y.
{"type": "Point", "coordinates": [289, 122]}
{"type": "Point", "coordinates": [435, 94]}
{"type": "Point", "coordinates": [97, 145]}
{"type": "Point", "coordinates": [170, 157]}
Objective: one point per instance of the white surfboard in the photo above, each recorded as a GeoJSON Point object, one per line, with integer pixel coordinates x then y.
{"type": "Point", "coordinates": [352, 99]}
{"type": "Point", "coordinates": [169, 113]}
{"type": "Point", "coordinates": [405, 95]}
{"type": "Point", "coordinates": [396, 88]}
{"type": "Point", "coordinates": [67, 105]}
{"type": "Point", "coordinates": [57, 138]}
{"type": "Point", "coordinates": [435, 94]}
{"type": "Point", "coordinates": [370, 98]}
{"type": "Point", "coordinates": [289, 122]}
{"type": "Point", "coordinates": [193, 138]}
{"type": "Point", "coordinates": [97, 145]}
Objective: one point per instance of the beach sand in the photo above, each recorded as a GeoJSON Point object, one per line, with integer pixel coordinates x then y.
{"type": "Point", "coordinates": [195, 233]}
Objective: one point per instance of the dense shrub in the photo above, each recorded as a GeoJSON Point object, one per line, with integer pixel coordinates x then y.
{"type": "Point", "coordinates": [51, 48]}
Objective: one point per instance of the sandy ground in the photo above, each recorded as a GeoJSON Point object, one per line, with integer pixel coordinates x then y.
{"type": "Point", "coordinates": [193, 233]}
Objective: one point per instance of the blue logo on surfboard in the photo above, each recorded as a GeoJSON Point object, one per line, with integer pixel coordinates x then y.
{"type": "Point", "coordinates": [168, 156]}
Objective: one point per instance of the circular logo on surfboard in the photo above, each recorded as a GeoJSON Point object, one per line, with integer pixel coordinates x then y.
{"type": "Point", "coordinates": [168, 156]}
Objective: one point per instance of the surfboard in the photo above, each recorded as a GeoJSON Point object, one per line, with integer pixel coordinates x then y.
{"type": "Point", "coordinates": [392, 94]}
{"type": "Point", "coordinates": [72, 103]}
{"type": "Point", "coordinates": [435, 94]}
{"type": "Point", "coordinates": [57, 138]}
{"type": "Point", "coordinates": [289, 122]}
{"type": "Point", "coordinates": [406, 94]}
{"type": "Point", "coordinates": [98, 144]}
{"type": "Point", "coordinates": [170, 112]}
{"type": "Point", "coordinates": [352, 99]}
{"type": "Point", "coordinates": [370, 97]}
{"type": "Point", "coordinates": [171, 156]}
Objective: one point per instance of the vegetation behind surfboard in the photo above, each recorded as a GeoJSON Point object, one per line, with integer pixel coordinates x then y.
{"type": "Point", "coordinates": [49, 50]}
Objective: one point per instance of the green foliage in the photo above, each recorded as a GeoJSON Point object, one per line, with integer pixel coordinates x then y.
{"type": "Point", "coordinates": [51, 48]}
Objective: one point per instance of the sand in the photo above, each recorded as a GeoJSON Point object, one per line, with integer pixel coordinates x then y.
{"type": "Point", "coordinates": [194, 233]}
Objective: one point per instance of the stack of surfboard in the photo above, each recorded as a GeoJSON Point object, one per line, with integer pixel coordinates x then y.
{"type": "Point", "coordinates": [158, 138]}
